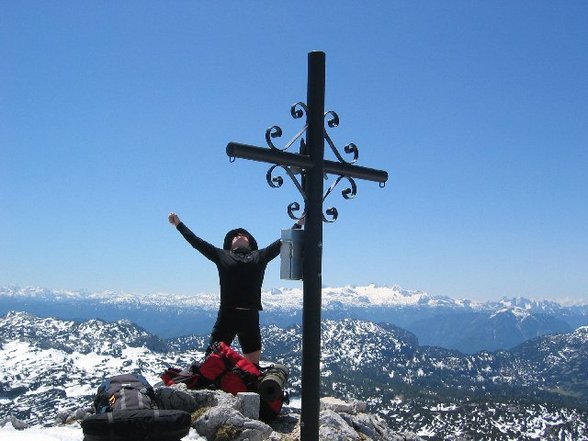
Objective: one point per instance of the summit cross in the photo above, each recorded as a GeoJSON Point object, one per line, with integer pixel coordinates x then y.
{"type": "Point", "coordinates": [310, 164]}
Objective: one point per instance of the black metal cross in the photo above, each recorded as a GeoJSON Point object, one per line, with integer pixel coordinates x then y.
{"type": "Point", "coordinates": [312, 166]}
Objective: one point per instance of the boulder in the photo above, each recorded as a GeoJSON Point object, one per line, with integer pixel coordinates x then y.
{"type": "Point", "coordinates": [225, 423]}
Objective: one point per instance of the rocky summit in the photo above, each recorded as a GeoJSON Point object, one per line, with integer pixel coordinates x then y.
{"type": "Point", "coordinates": [217, 415]}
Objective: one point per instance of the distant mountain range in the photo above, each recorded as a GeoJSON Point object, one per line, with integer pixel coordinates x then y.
{"type": "Point", "coordinates": [537, 390]}
{"type": "Point", "coordinates": [461, 324]}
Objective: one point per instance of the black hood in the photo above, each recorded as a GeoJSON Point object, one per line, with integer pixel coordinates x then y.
{"type": "Point", "coordinates": [231, 234]}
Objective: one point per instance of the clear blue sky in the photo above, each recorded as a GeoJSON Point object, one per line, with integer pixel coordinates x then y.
{"type": "Point", "coordinates": [113, 114]}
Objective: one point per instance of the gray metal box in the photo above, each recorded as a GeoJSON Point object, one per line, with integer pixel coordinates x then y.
{"type": "Point", "coordinates": [291, 254]}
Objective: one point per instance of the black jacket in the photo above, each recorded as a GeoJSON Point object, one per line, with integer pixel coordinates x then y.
{"type": "Point", "coordinates": [240, 272]}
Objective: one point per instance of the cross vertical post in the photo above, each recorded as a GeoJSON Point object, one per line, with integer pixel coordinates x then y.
{"type": "Point", "coordinates": [313, 243]}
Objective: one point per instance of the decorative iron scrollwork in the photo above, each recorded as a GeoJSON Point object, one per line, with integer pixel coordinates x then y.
{"type": "Point", "coordinates": [276, 181]}
{"type": "Point", "coordinates": [347, 193]}
{"type": "Point", "coordinates": [331, 213]}
{"type": "Point", "coordinates": [333, 121]}
{"type": "Point", "coordinates": [297, 110]}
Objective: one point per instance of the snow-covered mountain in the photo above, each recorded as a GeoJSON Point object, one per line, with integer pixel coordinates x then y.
{"type": "Point", "coordinates": [459, 324]}
{"type": "Point", "coordinates": [50, 365]}
{"type": "Point", "coordinates": [286, 298]}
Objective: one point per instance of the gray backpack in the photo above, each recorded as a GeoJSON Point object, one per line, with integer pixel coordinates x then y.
{"type": "Point", "coordinates": [124, 392]}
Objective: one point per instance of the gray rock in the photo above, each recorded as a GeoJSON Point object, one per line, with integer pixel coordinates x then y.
{"type": "Point", "coordinates": [212, 398]}
{"type": "Point", "coordinates": [176, 398]}
{"type": "Point", "coordinates": [18, 424]}
{"type": "Point", "coordinates": [351, 407]}
{"type": "Point", "coordinates": [353, 423]}
{"type": "Point", "coordinates": [332, 427]}
{"type": "Point", "coordinates": [371, 426]}
{"type": "Point", "coordinates": [248, 404]}
{"type": "Point", "coordinates": [227, 423]}
{"type": "Point", "coordinates": [62, 416]}
{"type": "Point", "coordinates": [77, 415]}
{"type": "Point", "coordinates": [69, 416]}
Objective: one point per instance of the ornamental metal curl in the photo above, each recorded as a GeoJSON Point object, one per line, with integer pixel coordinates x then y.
{"type": "Point", "coordinates": [333, 121]}
{"type": "Point", "coordinates": [332, 213]}
{"type": "Point", "coordinates": [276, 181]}
{"type": "Point", "coordinates": [347, 193]}
{"type": "Point", "coordinates": [297, 110]}
{"type": "Point", "coordinates": [295, 206]}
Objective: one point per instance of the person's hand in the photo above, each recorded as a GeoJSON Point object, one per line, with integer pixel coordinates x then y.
{"type": "Point", "coordinates": [173, 219]}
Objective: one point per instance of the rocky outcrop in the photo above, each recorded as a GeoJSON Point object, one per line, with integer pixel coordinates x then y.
{"type": "Point", "coordinates": [349, 421]}
{"type": "Point", "coordinates": [218, 416]}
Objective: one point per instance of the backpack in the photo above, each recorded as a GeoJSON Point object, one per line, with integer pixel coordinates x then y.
{"type": "Point", "coordinates": [229, 371]}
{"type": "Point", "coordinates": [191, 377]}
{"type": "Point", "coordinates": [127, 410]}
{"type": "Point", "coordinates": [137, 425]}
{"type": "Point", "coordinates": [125, 391]}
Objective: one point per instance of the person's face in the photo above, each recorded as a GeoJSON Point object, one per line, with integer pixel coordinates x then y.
{"type": "Point", "coordinates": [240, 241]}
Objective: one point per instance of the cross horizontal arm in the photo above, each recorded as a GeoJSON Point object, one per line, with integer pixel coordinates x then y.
{"type": "Point", "coordinates": [272, 156]}
{"type": "Point", "coordinates": [355, 171]}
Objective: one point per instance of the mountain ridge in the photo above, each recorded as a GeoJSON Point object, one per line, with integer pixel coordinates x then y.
{"type": "Point", "coordinates": [490, 325]}
{"type": "Point", "coordinates": [276, 298]}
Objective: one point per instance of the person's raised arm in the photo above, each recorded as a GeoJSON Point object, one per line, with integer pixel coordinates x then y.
{"type": "Point", "coordinates": [208, 250]}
